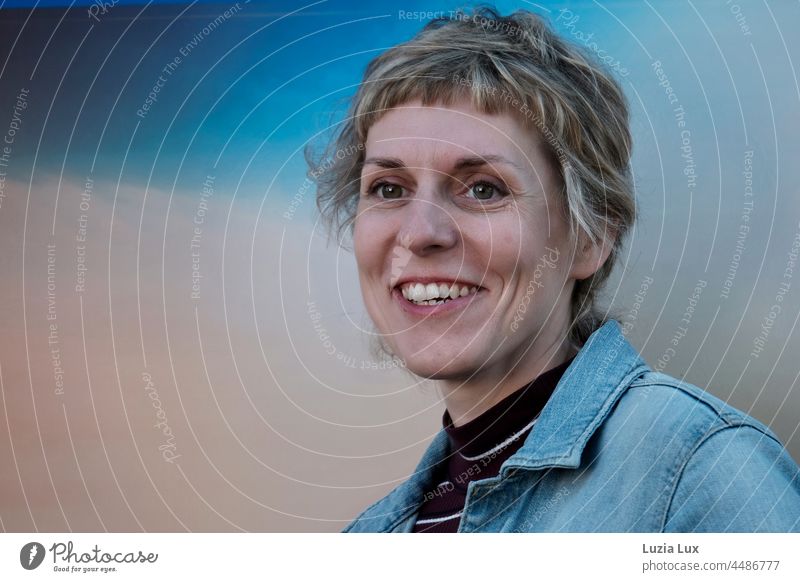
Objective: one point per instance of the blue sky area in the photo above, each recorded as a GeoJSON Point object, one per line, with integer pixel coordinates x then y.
{"type": "Point", "coordinates": [247, 96]}
{"type": "Point", "coordinates": [242, 101]}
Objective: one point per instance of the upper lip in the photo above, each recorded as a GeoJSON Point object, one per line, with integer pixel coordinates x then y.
{"type": "Point", "coordinates": [434, 279]}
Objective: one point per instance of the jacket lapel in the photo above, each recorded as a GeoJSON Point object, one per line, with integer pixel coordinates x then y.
{"type": "Point", "coordinates": [584, 397]}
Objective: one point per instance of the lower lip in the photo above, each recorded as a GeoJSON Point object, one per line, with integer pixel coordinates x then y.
{"type": "Point", "coordinates": [442, 309]}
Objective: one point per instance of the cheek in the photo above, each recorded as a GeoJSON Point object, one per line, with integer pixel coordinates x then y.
{"type": "Point", "coordinates": [512, 250]}
{"type": "Point", "coordinates": [362, 233]}
{"type": "Point", "coordinates": [370, 234]}
{"type": "Point", "coordinates": [497, 240]}
{"type": "Point", "coordinates": [532, 267]}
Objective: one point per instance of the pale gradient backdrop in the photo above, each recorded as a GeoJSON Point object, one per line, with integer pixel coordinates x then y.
{"type": "Point", "coordinates": [262, 371]}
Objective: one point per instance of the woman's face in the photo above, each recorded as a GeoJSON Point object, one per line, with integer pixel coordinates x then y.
{"type": "Point", "coordinates": [449, 196]}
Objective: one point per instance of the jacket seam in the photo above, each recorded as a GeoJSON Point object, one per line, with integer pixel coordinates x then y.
{"type": "Point", "coordinates": [703, 440]}
{"type": "Point", "coordinates": [731, 417]}
{"type": "Point", "coordinates": [726, 413]}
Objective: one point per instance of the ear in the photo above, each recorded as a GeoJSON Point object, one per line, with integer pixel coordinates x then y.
{"type": "Point", "coordinates": [590, 256]}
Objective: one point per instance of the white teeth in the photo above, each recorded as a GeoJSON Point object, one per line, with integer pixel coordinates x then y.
{"type": "Point", "coordinates": [418, 292]}
{"type": "Point", "coordinates": [432, 291]}
{"type": "Point", "coordinates": [435, 293]}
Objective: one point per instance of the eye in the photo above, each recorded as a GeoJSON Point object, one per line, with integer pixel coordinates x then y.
{"type": "Point", "coordinates": [485, 191]}
{"type": "Point", "coordinates": [387, 190]}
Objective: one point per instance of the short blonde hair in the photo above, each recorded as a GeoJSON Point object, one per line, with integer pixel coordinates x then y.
{"type": "Point", "coordinates": [574, 104]}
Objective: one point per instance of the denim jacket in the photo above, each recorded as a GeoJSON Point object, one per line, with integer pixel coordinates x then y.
{"type": "Point", "coordinates": [619, 448]}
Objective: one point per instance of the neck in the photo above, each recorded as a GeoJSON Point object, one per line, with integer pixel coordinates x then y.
{"type": "Point", "coordinates": [468, 398]}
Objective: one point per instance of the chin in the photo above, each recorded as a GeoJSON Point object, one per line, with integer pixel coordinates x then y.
{"type": "Point", "coordinates": [442, 365]}
{"type": "Point", "coordinates": [434, 371]}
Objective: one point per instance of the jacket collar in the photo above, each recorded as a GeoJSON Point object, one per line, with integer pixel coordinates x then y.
{"type": "Point", "coordinates": [583, 398]}
{"type": "Point", "coordinates": [603, 369]}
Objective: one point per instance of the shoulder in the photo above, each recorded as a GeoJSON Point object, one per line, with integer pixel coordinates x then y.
{"type": "Point", "coordinates": [660, 398]}
{"type": "Point", "coordinates": [660, 416]}
{"type": "Point", "coordinates": [723, 469]}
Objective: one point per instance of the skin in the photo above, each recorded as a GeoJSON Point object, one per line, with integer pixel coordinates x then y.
{"type": "Point", "coordinates": [430, 220]}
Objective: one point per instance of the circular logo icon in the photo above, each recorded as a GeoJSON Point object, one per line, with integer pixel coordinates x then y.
{"type": "Point", "coordinates": [31, 555]}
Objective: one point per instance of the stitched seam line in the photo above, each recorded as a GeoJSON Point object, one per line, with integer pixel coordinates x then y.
{"type": "Point", "coordinates": [679, 474]}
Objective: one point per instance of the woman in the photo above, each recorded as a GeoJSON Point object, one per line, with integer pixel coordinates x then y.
{"type": "Point", "coordinates": [484, 172]}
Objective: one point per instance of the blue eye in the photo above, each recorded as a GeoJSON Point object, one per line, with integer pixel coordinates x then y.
{"type": "Point", "coordinates": [387, 190]}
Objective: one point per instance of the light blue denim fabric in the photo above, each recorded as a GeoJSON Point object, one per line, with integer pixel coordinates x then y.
{"type": "Point", "coordinates": [620, 448]}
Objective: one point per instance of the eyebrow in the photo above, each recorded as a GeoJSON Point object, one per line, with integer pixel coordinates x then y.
{"type": "Point", "coordinates": [460, 164]}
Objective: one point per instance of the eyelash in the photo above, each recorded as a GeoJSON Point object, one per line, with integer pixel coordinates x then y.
{"type": "Point", "coordinates": [501, 192]}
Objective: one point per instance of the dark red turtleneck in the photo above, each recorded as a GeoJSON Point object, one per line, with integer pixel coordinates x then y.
{"type": "Point", "coordinates": [479, 447]}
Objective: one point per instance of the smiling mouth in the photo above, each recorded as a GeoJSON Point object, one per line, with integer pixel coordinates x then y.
{"type": "Point", "coordinates": [435, 308]}
{"type": "Point", "coordinates": [431, 294]}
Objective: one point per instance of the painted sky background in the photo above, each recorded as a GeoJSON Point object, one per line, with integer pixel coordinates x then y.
{"type": "Point", "coordinates": [274, 431]}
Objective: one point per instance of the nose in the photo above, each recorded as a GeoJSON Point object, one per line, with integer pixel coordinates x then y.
{"type": "Point", "coordinates": [427, 227]}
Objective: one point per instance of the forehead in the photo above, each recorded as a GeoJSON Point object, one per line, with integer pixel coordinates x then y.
{"type": "Point", "coordinates": [418, 131]}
